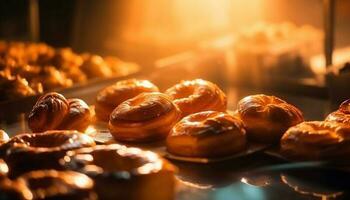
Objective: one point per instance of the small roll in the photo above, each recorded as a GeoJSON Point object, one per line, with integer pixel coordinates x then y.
{"type": "Point", "coordinates": [207, 134]}
{"type": "Point", "coordinates": [48, 112]}
{"type": "Point", "coordinates": [144, 118]}
{"type": "Point", "coordinates": [78, 117]}
{"type": "Point", "coordinates": [266, 118]}
{"type": "Point", "coordinates": [316, 140]}
{"type": "Point", "coordinates": [110, 97]}
{"type": "Point", "coordinates": [196, 96]}
{"type": "Point", "coordinates": [54, 112]}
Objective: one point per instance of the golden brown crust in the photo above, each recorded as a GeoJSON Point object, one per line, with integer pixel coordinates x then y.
{"type": "Point", "coordinates": [27, 152]}
{"type": "Point", "coordinates": [266, 118]}
{"type": "Point", "coordinates": [78, 116]}
{"type": "Point", "coordinates": [48, 112]}
{"type": "Point", "coordinates": [146, 117]}
{"type": "Point", "coordinates": [52, 184]}
{"type": "Point", "coordinates": [342, 115]}
{"type": "Point", "coordinates": [54, 112]}
{"type": "Point", "coordinates": [316, 140]}
{"type": "Point", "coordinates": [207, 134]}
{"type": "Point", "coordinates": [196, 96]}
{"type": "Point", "coordinates": [121, 172]}
{"type": "Point", "coordinates": [110, 97]}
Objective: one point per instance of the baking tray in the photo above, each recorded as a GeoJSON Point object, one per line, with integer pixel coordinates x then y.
{"type": "Point", "coordinates": [337, 162]}
{"type": "Point", "coordinates": [104, 137]}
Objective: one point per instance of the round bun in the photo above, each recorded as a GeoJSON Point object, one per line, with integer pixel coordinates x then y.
{"type": "Point", "coordinates": [196, 96]}
{"type": "Point", "coordinates": [26, 152]}
{"type": "Point", "coordinates": [144, 118]}
{"type": "Point", "coordinates": [120, 172]}
{"type": "Point", "coordinates": [52, 184]}
{"type": "Point", "coordinates": [110, 97]}
{"type": "Point", "coordinates": [316, 140]}
{"type": "Point", "coordinates": [342, 115]}
{"type": "Point", "coordinates": [266, 118]}
{"type": "Point", "coordinates": [54, 112]}
{"type": "Point", "coordinates": [207, 134]}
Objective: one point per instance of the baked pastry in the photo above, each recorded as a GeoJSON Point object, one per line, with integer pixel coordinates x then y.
{"type": "Point", "coordinates": [95, 66]}
{"type": "Point", "coordinates": [196, 96]}
{"type": "Point", "coordinates": [37, 67]}
{"type": "Point", "coordinates": [266, 118]}
{"type": "Point", "coordinates": [316, 140]}
{"type": "Point", "coordinates": [120, 172]}
{"type": "Point", "coordinates": [78, 117]}
{"type": "Point", "coordinates": [207, 134]}
{"type": "Point", "coordinates": [342, 115]}
{"type": "Point", "coordinates": [144, 118]}
{"type": "Point", "coordinates": [110, 97]}
{"type": "Point", "coordinates": [60, 185]}
{"type": "Point", "coordinates": [26, 152]}
{"type": "Point", "coordinates": [54, 112]}
{"type": "Point", "coordinates": [52, 78]}
{"type": "Point", "coordinates": [3, 136]}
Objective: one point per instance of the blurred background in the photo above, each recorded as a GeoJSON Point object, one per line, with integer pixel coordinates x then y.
{"type": "Point", "coordinates": [278, 45]}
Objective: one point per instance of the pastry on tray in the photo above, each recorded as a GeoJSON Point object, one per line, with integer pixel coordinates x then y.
{"type": "Point", "coordinates": [145, 118]}
{"type": "Point", "coordinates": [316, 140]}
{"type": "Point", "coordinates": [266, 118]}
{"type": "Point", "coordinates": [53, 111]}
{"type": "Point", "coordinates": [28, 69]}
{"type": "Point", "coordinates": [110, 97]}
{"type": "Point", "coordinates": [197, 95]}
{"type": "Point", "coordinates": [207, 134]}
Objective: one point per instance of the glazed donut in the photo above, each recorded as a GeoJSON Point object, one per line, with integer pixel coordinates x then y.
{"type": "Point", "coordinates": [26, 152]}
{"type": "Point", "coordinates": [110, 97]}
{"type": "Point", "coordinates": [60, 185]}
{"type": "Point", "coordinates": [120, 172]}
{"type": "Point", "coordinates": [54, 112]}
{"type": "Point", "coordinates": [196, 96]}
{"type": "Point", "coordinates": [316, 140]}
{"type": "Point", "coordinates": [3, 136]}
{"type": "Point", "coordinates": [342, 115]}
{"type": "Point", "coordinates": [266, 118]}
{"type": "Point", "coordinates": [144, 118]}
{"type": "Point", "coordinates": [207, 134]}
